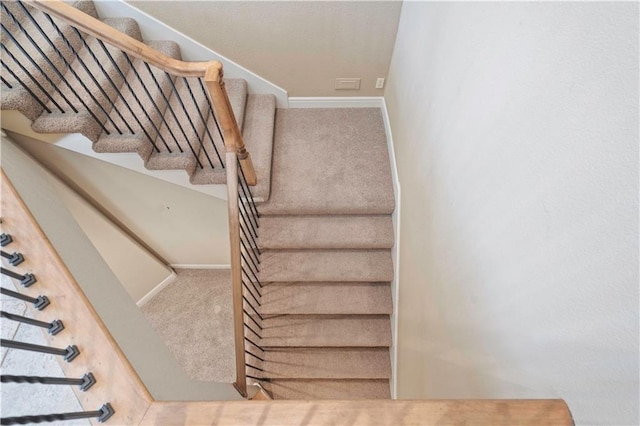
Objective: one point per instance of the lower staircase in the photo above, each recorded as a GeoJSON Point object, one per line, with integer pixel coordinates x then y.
{"type": "Point", "coordinates": [324, 189]}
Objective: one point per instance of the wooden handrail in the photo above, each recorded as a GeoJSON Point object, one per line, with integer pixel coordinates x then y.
{"type": "Point", "coordinates": [211, 71]}
{"type": "Point", "coordinates": [98, 29]}
{"type": "Point", "coordinates": [549, 412]}
{"type": "Point", "coordinates": [116, 380]}
{"type": "Point", "coordinates": [236, 270]}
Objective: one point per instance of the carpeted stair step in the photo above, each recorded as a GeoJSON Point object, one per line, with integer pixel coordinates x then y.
{"type": "Point", "coordinates": [330, 161]}
{"type": "Point", "coordinates": [326, 298]}
{"type": "Point", "coordinates": [135, 105]}
{"type": "Point", "coordinates": [97, 101]}
{"type": "Point", "coordinates": [326, 331]}
{"type": "Point", "coordinates": [326, 265]}
{"type": "Point", "coordinates": [322, 232]}
{"type": "Point", "coordinates": [237, 92]}
{"type": "Point", "coordinates": [307, 389]}
{"type": "Point", "coordinates": [16, 97]}
{"type": "Point", "coordinates": [326, 363]}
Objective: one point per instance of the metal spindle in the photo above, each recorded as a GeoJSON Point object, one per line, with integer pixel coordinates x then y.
{"type": "Point", "coordinates": [102, 414]}
{"type": "Point", "coordinates": [253, 343]}
{"type": "Point", "coordinates": [252, 330]}
{"type": "Point", "coordinates": [254, 321]}
{"type": "Point", "coordinates": [14, 258]}
{"type": "Point", "coordinates": [186, 114]}
{"type": "Point", "coordinates": [36, 82]}
{"type": "Point", "coordinates": [248, 266]}
{"type": "Point", "coordinates": [253, 307]}
{"type": "Point", "coordinates": [247, 218]}
{"type": "Point", "coordinates": [69, 68]}
{"type": "Point", "coordinates": [251, 281]}
{"type": "Point", "coordinates": [253, 355]}
{"type": "Point", "coordinates": [251, 293]}
{"type": "Point", "coordinates": [254, 367]}
{"type": "Point", "coordinates": [6, 83]}
{"type": "Point", "coordinates": [39, 302]}
{"type": "Point", "coordinates": [107, 76]}
{"type": "Point", "coordinates": [89, 73]}
{"type": "Point", "coordinates": [85, 382]}
{"type": "Point", "coordinates": [153, 102]}
{"type": "Point", "coordinates": [126, 82]}
{"type": "Point", "coordinates": [204, 122]}
{"type": "Point", "coordinates": [244, 182]}
{"type": "Point", "coordinates": [5, 239]}
{"type": "Point", "coordinates": [256, 378]}
{"type": "Point", "coordinates": [69, 354]}
{"type": "Point", "coordinates": [251, 253]}
{"type": "Point", "coordinates": [215, 119]}
{"type": "Point", "coordinates": [54, 327]}
{"type": "Point", "coordinates": [253, 240]}
{"type": "Point", "coordinates": [38, 67]}
{"type": "Point", "coordinates": [26, 280]}
{"type": "Point", "coordinates": [169, 107]}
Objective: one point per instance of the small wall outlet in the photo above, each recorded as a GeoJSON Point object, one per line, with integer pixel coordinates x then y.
{"type": "Point", "coordinates": [347, 84]}
{"type": "Point", "coordinates": [380, 83]}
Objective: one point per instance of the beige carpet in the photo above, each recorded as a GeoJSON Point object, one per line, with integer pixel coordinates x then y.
{"type": "Point", "coordinates": [194, 318]}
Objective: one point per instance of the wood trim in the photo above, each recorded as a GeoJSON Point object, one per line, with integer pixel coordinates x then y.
{"type": "Point", "coordinates": [117, 381]}
{"type": "Point", "coordinates": [96, 28]}
{"type": "Point", "coordinates": [236, 271]}
{"type": "Point", "coordinates": [551, 412]}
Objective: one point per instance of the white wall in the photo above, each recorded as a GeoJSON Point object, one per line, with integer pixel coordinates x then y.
{"type": "Point", "coordinates": [302, 46]}
{"type": "Point", "coordinates": [516, 135]}
{"type": "Point", "coordinates": [183, 226]}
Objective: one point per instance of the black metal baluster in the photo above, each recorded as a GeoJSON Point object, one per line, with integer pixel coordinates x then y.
{"type": "Point", "coordinates": [155, 80]}
{"type": "Point", "coordinates": [244, 182]}
{"type": "Point", "coordinates": [252, 307]}
{"type": "Point", "coordinates": [243, 237]}
{"type": "Point", "coordinates": [248, 277]}
{"type": "Point", "coordinates": [14, 258]}
{"type": "Point", "coordinates": [204, 122]}
{"type": "Point", "coordinates": [85, 382]}
{"type": "Point", "coordinates": [39, 302]}
{"type": "Point", "coordinates": [108, 77]}
{"type": "Point", "coordinates": [254, 367]}
{"type": "Point", "coordinates": [33, 62]}
{"type": "Point", "coordinates": [86, 69]}
{"type": "Point", "coordinates": [54, 327]}
{"type": "Point", "coordinates": [69, 354]}
{"type": "Point", "coordinates": [251, 254]}
{"type": "Point", "coordinates": [248, 266]}
{"type": "Point", "coordinates": [246, 217]}
{"type": "Point", "coordinates": [253, 355]}
{"type": "Point", "coordinates": [186, 114]}
{"type": "Point", "coordinates": [256, 378]}
{"type": "Point", "coordinates": [253, 343]}
{"type": "Point", "coordinates": [5, 239]}
{"type": "Point", "coordinates": [135, 116]}
{"type": "Point", "coordinates": [69, 68]}
{"type": "Point", "coordinates": [254, 321]}
{"type": "Point", "coordinates": [6, 83]}
{"type": "Point", "coordinates": [26, 280]}
{"type": "Point", "coordinates": [23, 84]}
{"type": "Point", "coordinates": [153, 102]}
{"type": "Point", "coordinates": [250, 236]}
{"type": "Point", "coordinates": [102, 414]}
{"type": "Point", "coordinates": [251, 293]}
{"type": "Point", "coordinates": [215, 119]}
{"type": "Point", "coordinates": [252, 330]}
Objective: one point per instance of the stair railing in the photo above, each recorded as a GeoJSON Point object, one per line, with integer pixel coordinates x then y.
{"type": "Point", "coordinates": [93, 361]}
{"type": "Point", "coordinates": [191, 115]}
{"type": "Point", "coordinates": [192, 85]}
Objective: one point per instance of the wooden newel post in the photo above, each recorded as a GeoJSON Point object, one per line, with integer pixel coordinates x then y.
{"type": "Point", "coordinates": [232, 137]}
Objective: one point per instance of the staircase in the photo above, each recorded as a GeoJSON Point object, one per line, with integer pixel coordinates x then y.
{"type": "Point", "coordinates": [325, 231]}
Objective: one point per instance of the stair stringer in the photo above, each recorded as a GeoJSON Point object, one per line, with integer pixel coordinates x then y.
{"type": "Point", "coordinates": [15, 121]}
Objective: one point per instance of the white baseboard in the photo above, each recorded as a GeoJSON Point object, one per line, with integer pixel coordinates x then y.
{"type": "Point", "coordinates": [395, 285]}
{"type": "Point", "coordinates": [337, 102]}
{"type": "Point", "coordinates": [198, 266]}
{"type": "Point", "coordinates": [157, 289]}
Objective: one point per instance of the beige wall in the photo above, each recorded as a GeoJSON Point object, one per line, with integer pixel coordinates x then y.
{"type": "Point", "coordinates": [516, 134]}
{"type": "Point", "coordinates": [302, 46]}
{"type": "Point", "coordinates": [181, 225]}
